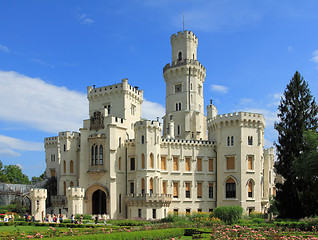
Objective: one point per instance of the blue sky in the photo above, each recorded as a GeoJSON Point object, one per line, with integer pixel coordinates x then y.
{"type": "Point", "coordinates": [50, 51]}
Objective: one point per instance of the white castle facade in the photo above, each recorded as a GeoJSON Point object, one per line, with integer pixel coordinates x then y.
{"type": "Point", "coordinates": [127, 167]}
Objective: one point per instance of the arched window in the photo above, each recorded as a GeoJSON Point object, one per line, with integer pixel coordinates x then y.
{"type": "Point", "coordinates": [230, 188]}
{"type": "Point", "coordinates": [179, 56]}
{"type": "Point", "coordinates": [71, 184]}
{"type": "Point", "coordinates": [151, 160]}
{"type": "Point", "coordinates": [142, 186]}
{"type": "Point", "coordinates": [96, 155]}
{"type": "Point", "coordinates": [101, 160]}
{"type": "Point", "coordinates": [119, 163]}
{"type": "Point", "coordinates": [93, 161]}
{"type": "Point", "coordinates": [71, 166]}
{"type": "Point", "coordinates": [142, 139]}
{"type": "Point", "coordinates": [232, 141]}
{"type": "Point", "coordinates": [228, 141]}
{"type": "Point", "coordinates": [151, 186]}
{"type": "Point", "coordinates": [64, 187]}
{"type": "Point", "coordinates": [250, 187]}
{"type": "Point", "coordinates": [64, 166]}
{"type": "Point", "coordinates": [143, 161]}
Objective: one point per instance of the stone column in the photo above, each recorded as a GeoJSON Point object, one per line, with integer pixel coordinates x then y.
{"type": "Point", "coordinates": [38, 206]}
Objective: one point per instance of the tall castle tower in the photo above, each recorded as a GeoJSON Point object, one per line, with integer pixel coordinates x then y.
{"type": "Point", "coordinates": [184, 79]}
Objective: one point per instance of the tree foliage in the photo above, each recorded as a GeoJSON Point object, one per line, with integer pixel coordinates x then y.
{"type": "Point", "coordinates": [297, 113]}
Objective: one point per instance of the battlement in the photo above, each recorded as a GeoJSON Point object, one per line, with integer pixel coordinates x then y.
{"type": "Point", "coordinates": [187, 141]}
{"type": "Point", "coordinates": [194, 63]}
{"type": "Point", "coordinates": [75, 192]}
{"type": "Point", "coordinates": [269, 151]}
{"type": "Point", "coordinates": [38, 193]}
{"type": "Point", "coordinates": [186, 34]}
{"type": "Point", "coordinates": [148, 123]}
{"type": "Point", "coordinates": [241, 116]}
{"type": "Point", "coordinates": [51, 140]}
{"type": "Point", "coordinates": [115, 88]}
{"type": "Point", "coordinates": [68, 134]}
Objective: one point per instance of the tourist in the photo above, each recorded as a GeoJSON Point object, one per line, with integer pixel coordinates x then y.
{"type": "Point", "coordinates": [96, 219]}
{"type": "Point", "coordinates": [105, 218]}
{"type": "Point", "coordinates": [61, 218]}
{"type": "Point", "coordinates": [81, 219]}
{"type": "Point", "coordinates": [72, 218]}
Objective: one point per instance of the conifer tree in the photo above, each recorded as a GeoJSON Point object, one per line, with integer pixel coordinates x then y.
{"type": "Point", "coordinates": [297, 113]}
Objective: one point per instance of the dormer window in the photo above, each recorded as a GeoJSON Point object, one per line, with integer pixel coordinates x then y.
{"type": "Point", "coordinates": [180, 56]}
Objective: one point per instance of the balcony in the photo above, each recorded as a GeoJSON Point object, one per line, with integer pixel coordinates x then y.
{"type": "Point", "coordinates": [145, 199]}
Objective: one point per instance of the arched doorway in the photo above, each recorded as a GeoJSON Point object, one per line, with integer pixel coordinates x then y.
{"type": "Point", "coordinates": [99, 202]}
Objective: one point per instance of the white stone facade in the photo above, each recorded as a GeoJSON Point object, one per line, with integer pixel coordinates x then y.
{"type": "Point", "coordinates": [128, 169]}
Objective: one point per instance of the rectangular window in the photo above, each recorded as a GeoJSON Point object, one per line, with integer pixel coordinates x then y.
{"type": "Point", "coordinates": [210, 190]}
{"type": "Point", "coordinates": [163, 163]}
{"type": "Point", "coordinates": [178, 88]}
{"type": "Point", "coordinates": [164, 187]}
{"type": "Point", "coordinates": [188, 190]}
{"type": "Point", "coordinates": [175, 211]}
{"type": "Point", "coordinates": [139, 213]}
{"type": "Point", "coordinates": [133, 109]}
{"type": "Point", "coordinates": [270, 177]}
{"type": "Point", "coordinates": [53, 173]}
{"type": "Point", "coordinates": [188, 210]}
{"type": "Point", "coordinates": [199, 209]}
{"type": "Point", "coordinates": [175, 190]}
{"type": "Point", "coordinates": [199, 190]}
{"type": "Point", "coordinates": [154, 215]}
{"type": "Point", "coordinates": [187, 166]}
{"type": "Point", "coordinates": [210, 165]}
{"type": "Point", "coordinates": [175, 164]}
{"type": "Point", "coordinates": [199, 164]}
{"type": "Point", "coordinates": [210, 210]}
{"type": "Point", "coordinates": [132, 188]}
{"type": "Point", "coordinates": [230, 163]}
{"type": "Point", "coordinates": [250, 162]}
{"type": "Point", "coordinates": [132, 164]}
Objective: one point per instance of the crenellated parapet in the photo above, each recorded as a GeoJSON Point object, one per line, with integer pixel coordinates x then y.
{"type": "Point", "coordinates": [148, 124]}
{"type": "Point", "coordinates": [38, 206]}
{"type": "Point", "coordinates": [69, 135]}
{"type": "Point", "coordinates": [189, 35]}
{"type": "Point", "coordinates": [114, 89]}
{"type": "Point", "coordinates": [38, 193]}
{"type": "Point", "coordinates": [75, 192]}
{"type": "Point", "coordinates": [51, 142]}
{"type": "Point", "coordinates": [187, 142]}
{"type": "Point", "coordinates": [241, 119]}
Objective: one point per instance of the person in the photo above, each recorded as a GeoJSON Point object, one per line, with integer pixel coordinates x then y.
{"type": "Point", "coordinates": [26, 217]}
{"type": "Point", "coordinates": [105, 218]}
{"type": "Point", "coordinates": [96, 219]}
{"type": "Point", "coordinates": [29, 218]}
{"type": "Point", "coordinates": [61, 218]}
{"type": "Point", "coordinates": [81, 219]}
{"type": "Point", "coordinates": [72, 218]}
{"type": "Point", "coordinates": [33, 218]}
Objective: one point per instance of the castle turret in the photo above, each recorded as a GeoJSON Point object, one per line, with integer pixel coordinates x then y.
{"type": "Point", "coordinates": [75, 196]}
{"type": "Point", "coordinates": [38, 206]}
{"type": "Point", "coordinates": [184, 79]}
{"type": "Point", "coordinates": [212, 111]}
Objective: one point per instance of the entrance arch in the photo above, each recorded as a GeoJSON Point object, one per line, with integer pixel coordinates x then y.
{"type": "Point", "coordinates": [99, 202]}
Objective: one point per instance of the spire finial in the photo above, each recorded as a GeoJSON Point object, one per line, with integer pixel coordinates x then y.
{"type": "Point", "coordinates": [183, 19]}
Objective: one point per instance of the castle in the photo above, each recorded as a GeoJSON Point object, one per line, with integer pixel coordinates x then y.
{"type": "Point", "coordinates": [128, 167]}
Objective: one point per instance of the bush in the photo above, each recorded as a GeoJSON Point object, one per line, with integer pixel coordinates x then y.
{"type": "Point", "coordinates": [257, 220]}
{"type": "Point", "coordinates": [85, 216]}
{"type": "Point", "coordinates": [228, 214]}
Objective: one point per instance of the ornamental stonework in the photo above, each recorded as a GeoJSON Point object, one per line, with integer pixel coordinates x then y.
{"type": "Point", "coordinates": [97, 121]}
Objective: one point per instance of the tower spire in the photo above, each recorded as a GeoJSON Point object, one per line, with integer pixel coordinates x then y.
{"type": "Point", "coordinates": [183, 19]}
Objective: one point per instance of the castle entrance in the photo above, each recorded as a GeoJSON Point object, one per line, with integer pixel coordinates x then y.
{"type": "Point", "coordinates": [99, 202]}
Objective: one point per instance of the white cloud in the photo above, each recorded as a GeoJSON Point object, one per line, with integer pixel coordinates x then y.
{"type": "Point", "coordinates": [4, 48]}
{"type": "Point", "coordinates": [152, 110]}
{"type": "Point", "coordinates": [82, 17]}
{"type": "Point", "coordinates": [40, 105]}
{"type": "Point", "coordinates": [315, 56]}
{"type": "Point", "coordinates": [9, 152]}
{"type": "Point", "coordinates": [40, 61]}
{"type": "Point", "coordinates": [270, 117]}
{"type": "Point", "coordinates": [219, 88]}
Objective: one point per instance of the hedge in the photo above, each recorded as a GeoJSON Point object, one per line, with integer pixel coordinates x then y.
{"type": "Point", "coordinates": [150, 234]}
{"type": "Point", "coordinates": [228, 214]}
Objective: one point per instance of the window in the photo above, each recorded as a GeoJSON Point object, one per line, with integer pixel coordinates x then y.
{"type": "Point", "coordinates": [210, 190]}
{"type": "Point", "coordinates": [175, 190]}
{"type": "Point", "coordinates": [270, 177]}
{"type": "Point", "coordinates": [164, 187]}
{"type": "Point", "coordinates": [151, 186]}
{"type": "Point", "coordinates": [139, 213]}
{"type": "Point", "coordinates": [101, 155]}
{"type": "Point", "coordinates": [250, 162]}
{"type": "Point", "coordinates": [178, 130]}
{"type": "Point", "coordinates": [178, 88]}
{"type": "Point", "coordinates": [119, 142]}
{"type": "Point", "coordinates": [64, 166]}
{"type": "Point", "coordinates": [64, 147]}
{"type": "Point", "coordinates": [232, 141]}
{"type": "Point", "coordinates": [210, 165]}
{"type": "Point", "coordinates": [163, 163]}
{"type": "Point", "coordinates": [53, 173]}
{"type": "Point", "coordinates": [199, 190]}
{"type": "Point", "coordinates": [210, 210]}
{"type": "Point", "coordinates": [151, 161]}
{"type": "Point", "coordinates": [143, 164]}
{"type": "Point", "coordinates": [230, 188]}
{"type": "Point", "coordinates": [250, 189]}
{"type": "Point", "coordinates": [187, 164]}
{"type": "Point", "coordinates": [142, 139]}
{"type": "Point", "coordinates": [119, 203]}
{"type": "Point", "coordinates": [178, 106]}
{"type": "Point", "coordinates": [64, 188]}
{"type": "Point", "coordinates": [180, 56]}
{"type": "Point", "coordinates": [96, 155]}
{"type": "Point", "coordinates": [119, 163]}
{"type": "Point", "coordinates": [154, 214]}
{"type": "Point", "coordinates": [93, 154]}
{"type": "Point", "coordinates": [175, 164]}
{"type": "Point", "coordinates": [175, 211]}
{"type": "Point", "coordinates": [108, 109]}
{"type": "Point", "coordinates": [142, 186]}
{"type": "Point", "coordinates": [71, 166]}
{"type": "Point", "coordinates": [133, 110]}
{"type": "Point", "coordinates": [199, 164]}
{"type": "Point", "coordinates": [132, 164]}
{"type": "Point", "coordinates": [71, 184]}
{"type": "Point", "coordinates": [230, 163]}
{"type": "Point", "coordinates": [199, 209]}
{"type": "Point", "coordinates": [188, 190]}
{"type": "Point", "coordinates": [228, 141]}
{"type": "Point", "coordinates": [250, 140]}
{"type": "Point", "coordinates": [199, 89]}
{"type": "Point", "coordinates": [132, 187]}
{"type": "Point", "coordinates": [188, 210]}
{"type": "Point", "coordinates": [52, 158]}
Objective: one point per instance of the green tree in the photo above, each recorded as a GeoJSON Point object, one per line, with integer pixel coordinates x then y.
{"type": "Point", "coordinates": [14, 175]}
{"type": "Point", "coordinates": [297, 113]}
{"type": "Point", "coordinates": [3, 177]}
{"type": "Point", "coordinates": [39, 179]}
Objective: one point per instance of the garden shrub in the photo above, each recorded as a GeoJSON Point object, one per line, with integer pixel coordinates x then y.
{"type": "Point", "coordinates": [255, 214]}
{"type": "Point", "coordinates": [257, 220]}
{"type": "Point", "coordinates": [85, 216]}
{"type": "Point", "coordinates": [228, 214]}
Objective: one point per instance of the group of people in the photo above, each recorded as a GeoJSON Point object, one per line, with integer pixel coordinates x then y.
{"type": "Point", "coordinates": [29, 218]}
{"type": "Point", "coordinates": [54, 218]}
